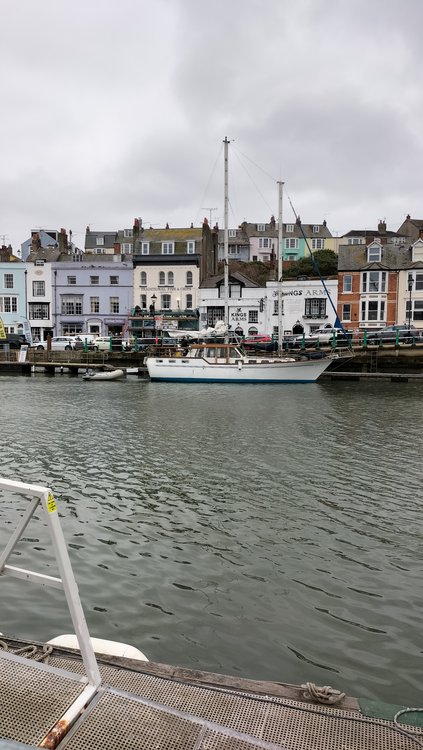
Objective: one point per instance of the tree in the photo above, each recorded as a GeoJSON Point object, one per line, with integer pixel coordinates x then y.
{"type": "Point", "coordinates": [324, 261]}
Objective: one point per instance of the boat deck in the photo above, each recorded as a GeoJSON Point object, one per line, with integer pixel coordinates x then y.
{"type": "Point", "coordinates": [150, 706]}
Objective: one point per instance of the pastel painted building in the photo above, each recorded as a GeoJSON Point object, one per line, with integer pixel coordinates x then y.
{"type": "Point", "coordinates": [13, 292]}
{"type": "Point", "coordinates": [298, 239]}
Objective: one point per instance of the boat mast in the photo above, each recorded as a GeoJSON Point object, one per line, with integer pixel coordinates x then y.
{"type": "Point", "coordinates": [226, 242]}
{"type": "Point", "coordinates": [280, 259]}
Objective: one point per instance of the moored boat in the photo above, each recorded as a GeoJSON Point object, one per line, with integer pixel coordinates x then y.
{"type": "Point", "coordinates": [225, 363]}
{"type": "Point", "coordinates": [103, 375]}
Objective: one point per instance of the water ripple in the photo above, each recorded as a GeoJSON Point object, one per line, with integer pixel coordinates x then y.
{"type": "Point", "coordinates": [211, 526]}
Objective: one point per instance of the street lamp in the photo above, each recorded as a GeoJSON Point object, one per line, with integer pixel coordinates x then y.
{"type": "Point", "coordinates": [153, 303]}
{"type": "Point", "coordinates": [410, 288]}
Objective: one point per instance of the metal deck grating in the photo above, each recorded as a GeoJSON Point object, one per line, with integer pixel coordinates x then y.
{"type": "Point", "coordinates": [264, 721]}
{"type": "Point", "coordinates": [32, 698]}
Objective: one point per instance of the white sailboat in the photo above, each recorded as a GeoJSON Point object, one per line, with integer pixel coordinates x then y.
{"type": "Point", "coordinates": [226, 363]}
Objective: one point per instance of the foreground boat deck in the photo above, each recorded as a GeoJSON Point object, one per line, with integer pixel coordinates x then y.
{"type": "Point", "coordinates": [145, 705]}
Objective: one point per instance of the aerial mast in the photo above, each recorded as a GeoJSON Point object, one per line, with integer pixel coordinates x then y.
{"type": "Point", "coordinates": [280, 260]}
{"type": "Point", "coordinates": [226, 239]}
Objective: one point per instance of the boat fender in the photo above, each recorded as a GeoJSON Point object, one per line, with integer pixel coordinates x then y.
{"type": "Point", "coordinates": [240, 364]}
{"type": "Point", "coordinates": [100, 646]}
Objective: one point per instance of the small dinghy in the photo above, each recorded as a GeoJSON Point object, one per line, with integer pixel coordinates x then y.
{"type": "Point", "coordinates": [103, 375]}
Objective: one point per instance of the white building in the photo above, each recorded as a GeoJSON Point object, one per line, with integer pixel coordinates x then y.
{"type": "Point", "coordinates": [307, 305]}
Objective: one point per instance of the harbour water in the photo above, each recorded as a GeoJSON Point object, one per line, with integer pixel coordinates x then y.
{"type": "Point", "coordinates": [272, 532]}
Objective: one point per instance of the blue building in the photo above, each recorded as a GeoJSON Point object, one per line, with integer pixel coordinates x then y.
{"type": "Point", "coordinates": [13, 293]}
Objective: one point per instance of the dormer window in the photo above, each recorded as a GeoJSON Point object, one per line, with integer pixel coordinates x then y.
{"type": "Point", "coordinates": [374, 253]}
{"type": "Point", "coordinates": [99, 241]}
{"type": "Point", "coordinates": [289, 227]}
{"type": "Point", "coordinates": [261, 227]}
{"type": "Point", "coordinates": [315, 228]}
{"type": "Point", "coordinates": [231, 232]}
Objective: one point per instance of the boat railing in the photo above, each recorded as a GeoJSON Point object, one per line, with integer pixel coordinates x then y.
{"type": "Point", "coordinates": [42, 497]}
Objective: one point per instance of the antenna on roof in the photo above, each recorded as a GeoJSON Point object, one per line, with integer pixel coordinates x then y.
{"type": "Point", "coordinates": [208, 208]}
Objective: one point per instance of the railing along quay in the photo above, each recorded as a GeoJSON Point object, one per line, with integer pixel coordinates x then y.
{"type": "Point", "coordinates": [360, 357]}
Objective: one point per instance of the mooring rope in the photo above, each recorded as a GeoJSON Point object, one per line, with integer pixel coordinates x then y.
{"type": "Point", "coordinates": [326, 694]}
{"type": "Point", "coordinates": [30, 651]}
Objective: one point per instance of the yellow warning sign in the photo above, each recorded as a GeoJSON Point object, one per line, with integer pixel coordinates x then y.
{"type": "Point", "coordinates": [2, 331]}
{"type": "Point", "coordinates": [51, 504]}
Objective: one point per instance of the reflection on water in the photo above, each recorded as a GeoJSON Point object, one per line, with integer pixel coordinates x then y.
{"type": "Point", "coordinates": [271, 532]}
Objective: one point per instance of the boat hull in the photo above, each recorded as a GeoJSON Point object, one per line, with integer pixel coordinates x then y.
{"type": "Point", "coordinates": [189, 370]}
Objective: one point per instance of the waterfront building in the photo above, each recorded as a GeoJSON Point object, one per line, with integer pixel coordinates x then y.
{"type": "Point", "coordinates": [298, 239]}
{"type": "Point", "coordinates": [380, 283]}
{"type": "Point", "coordinates": [253, 309]}
{"type": "Point", "coordinates": [411, 228]}
{"type": "Point", "coordinates": [13, 292]}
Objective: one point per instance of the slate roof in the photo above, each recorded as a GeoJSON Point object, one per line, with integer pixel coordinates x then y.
{"type": "Point", "coordinates": [214, 281]}
{"type": "Point", "coordinates": [298, 229]}
{"type": "Point", "coordinates": [393, 258]}
{"type": "Point", "coordinates": [171, 235]}
{"type": "Point", "coordinates": [91, 240]}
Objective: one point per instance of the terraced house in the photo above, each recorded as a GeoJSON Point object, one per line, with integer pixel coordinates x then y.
{"type": "Point", "coordinates": [298, 239]}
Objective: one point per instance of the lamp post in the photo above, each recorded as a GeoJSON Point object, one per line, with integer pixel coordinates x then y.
{"type": "Point", "coordinates": [410, 289]}
{"type": "Point", "coordinates": [153, 304]}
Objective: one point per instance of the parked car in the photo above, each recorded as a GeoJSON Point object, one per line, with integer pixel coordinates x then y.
{"type": "Point", "coordinates": [325, 335]}
{"type": "Point", "coordinates": [59, 343]}
{"type": "Point", "coordinates": [405, 333]}
{"type": "Point", "coordinates": [102, 344]}
{"type": "Point", "coordinates": [14, 341]}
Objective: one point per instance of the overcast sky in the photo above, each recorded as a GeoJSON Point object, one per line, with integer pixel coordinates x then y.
{"type": "Point", "coordinates": [112, 109]}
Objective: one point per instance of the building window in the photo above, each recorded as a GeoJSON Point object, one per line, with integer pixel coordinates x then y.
{"type": "Point", "coordinates": [275, 307]}
{"type": "Point", "coordinates": [8, 304]}
{"type": "Point", "coordinates": [71, 280]}
{"type": "Point", "coordinates": [315, 308]}
{"type": "Point", "coordinates": [165, 301]}
{"type": "Point", "coordinates": [143, 278]}
{"type": "Point", "coordinates": [315, 228]}
{"type": "Point", "coordinates": [190, 248]}
{"type": "Point", "coordinates": [95, 304]}
{"type": "Point", "coordinates": [145, 248]}
{"type": "Point", "coordinates": [235, 291]}
{"type": "Point", "coordinates": [170, 278]}
{"type": "Point", "coordinates": [418, 310]}
{"type": "Point", "coordinates": [168, 248]}
{"type": "Point", "coordinates": [347, 283]}
{"type": "Point", "coordinates": [291, 243]}
{"type": "Point", "coordinates": [99, 241]}
{"type": "Point", "coordinates": [253, 316]}
{"type": "Point", "coordinates": [143, 301]}
{"type": "Point", "coordinates": [114, 280]}
{"type": "Point", "coordinates": [126, 247]}
{"type": "Point", "coordinates": [8, 280]}
{"type": "Point", "coordinates": [39, 262]}
{"type": "Point", "coordinates": [373, 311]}
{"type": "Point", "coordinates": [354, 241]}
{"type": "Point", "coordinates": [100, 251]}
{"type": "Point", "coordinates": [346, 313]}
{"type": "Point", "coordinates": [265, 243]}
{"type": "Point", "coordinates": [374, 253]}
{"type": "Point", "coordinates": [374, 281]}
{"type": "Point", "coordinates": [291, 257]}
{"type": "Point", "coordinates": [188, 305]}
{"type": "Point", "coordinates": [127, 232]}
{"type": "Point", "coordinates": [419, 282]}
{"type": "Point", "coordinates": [38, 311]}
{"type": "Point", "coordinates": [317, 244]}
{"type": "Point", "coordinates": [162, 278]}
{"type": "Point", "coordinates": [189, 278]}
{"type": "Point", "coordinates": [114, 304]}
{"type": "Point", "coordinates": [94, 280]}
{"type": "Point", "coordinates": [289, 227]}
{"type": "Point", "coordinates": [261, 227]}
{"type": "Point", "coordinates": [71, 305]}
{"type": "Point", "coordinates": [231, 232]}
{"type": "Point", "coordinates": [38, 288]}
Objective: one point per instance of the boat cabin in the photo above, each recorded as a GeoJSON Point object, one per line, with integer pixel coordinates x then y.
{"type": "Point", "coordinates": [215, 352]}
